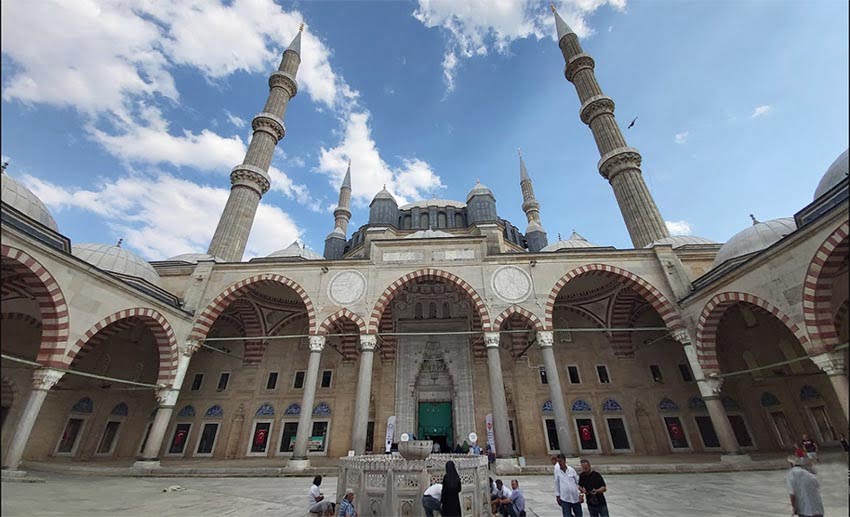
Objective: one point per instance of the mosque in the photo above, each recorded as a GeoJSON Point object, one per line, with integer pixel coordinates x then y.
{"type": "Point", "coordinates": [438, 318]}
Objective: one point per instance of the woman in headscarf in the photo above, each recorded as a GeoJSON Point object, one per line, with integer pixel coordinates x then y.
{"type": "Point", "coordinates": [450, 498]}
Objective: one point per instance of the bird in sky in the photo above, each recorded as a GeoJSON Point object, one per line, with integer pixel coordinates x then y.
{"type": "Point", "coordinates": [632, 123]}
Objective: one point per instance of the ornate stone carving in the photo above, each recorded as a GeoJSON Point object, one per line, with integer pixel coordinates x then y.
{"type": "Point", "coordinates": [376, 480]}
{"type": "Point", "coordinates": [832, 363]}
{"type": "Point", "coordinates": [45, 378]}
{"type": "Point", "coordinates": [189, 347]}
{"type": "Point", "coordinates": [317, 343]}
{"type": "Point", "coordinates": [368, 342]}
{"type": "Point", "coordinates": [347, 287]}
{"type": "Point", "coordinates": [167, 397]}
{"type": "Point", "coordinates": [353, 478]}
{"type": "Point", "coordinates": [710, 387]}
{"type": "Point", "coordinates": [269, 123]}
{"type": "Point", "coordinates": [576, 64]}
{"type": "Point", "coordinates": [682, 336]}
{"type": "Point", "coordinates": [511, 283]}
{"type": "Point", "coordinates": [285, 81]}
{"type": "Point", "coordinates": [595, 106]}
{"type": "Point", "coordinates": [617, 161]}
{"type": "Point", "coordinates": [545, 338]}
{"type": "Point", "coordinates": [251, 177]}
{"type": "Point", "coordinates": [491, 339]}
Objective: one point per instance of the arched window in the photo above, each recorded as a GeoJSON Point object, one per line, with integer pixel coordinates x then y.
{"type": "Point", "coordinates": [406, 223]}
{"type": "Point", "coordinates": [447, 310]}
{"type": "Point", "coordinates": [214, 412]}
{"type": "Point", "coordinates": [441, 220]}
{"type": "Point", "coordinates": [186, 412]}
{"type": "Point", "coordinates": [265, 410]}
{"type": "Point", "coordinates": [120, 409]}
{"type": "Point", "coordinates": [423, 221]}
{"type": "Point", "coordinates": [432, 310]}
{"type": "Point", "coordinates": [417, 311]}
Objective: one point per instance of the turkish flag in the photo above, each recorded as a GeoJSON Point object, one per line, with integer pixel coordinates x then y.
{"type": "Point", "coordinates": [586, 432]}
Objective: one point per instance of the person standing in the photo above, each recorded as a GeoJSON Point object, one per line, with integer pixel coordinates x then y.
{"type": "Point", "coordinates": [431, 499]}
{"type": "Point", "coordinates": [450, 497]}
{"type": "Point", "coordinates": [346, 506]}
{"type": "Point", "coordinates": [844, 444]}
{"type": "Point", "coordinates": [566, 489]}
{"type": "Point", "coordinates": [593, 487]}
{"type": "Point", "coordinates": [316, 502]}
{"type": "Point", "coordinates": [811, 448]}
{"type": "Point", "coordinates": [803, 490]}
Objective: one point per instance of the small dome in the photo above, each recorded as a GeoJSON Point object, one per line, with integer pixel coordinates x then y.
{"type": "Point", "coordinates": [23, 200]}
{"type": "Point", "coordinates": [677, 241]}
{"type": "Point", "coordinates": [193, 258]}
{"type": "Point", "coordinates": [479, 190]}
{"type": "Point", "coordinates": [834, 174]}
{"type": "Point", "coordinates": [428, 234]}
{"type": "Point", "coordinates": [425, 203]}
{"type": "Point", "coordinates": [117, 260]}
{"type": "Point", "coordinates": [575, 241]}
{"type": "Point", "coordinates": [755, 238]}
{"type": "Point", "coordinates": [383, 194]}
{"type": "Point", "coordinates": [295, 250]}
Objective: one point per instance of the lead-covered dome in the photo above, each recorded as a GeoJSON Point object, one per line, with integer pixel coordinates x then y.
{"type": "Point", "coordinates": [834, 174]}
{"type": "Point", "coordinates": [479, 190]}
{"type": "Point", "coordinates": [755, 238]}
{"type": "Point", "coordinates": [116, 260]}
{"type": "Point", "coordinates": [23, 200]}
{"type": "Point", "coordinates": [295, 250]}
{"type": "Point", "coordinates": [575, 241]}
{"type": "Point", "coordinates": [677, 241]}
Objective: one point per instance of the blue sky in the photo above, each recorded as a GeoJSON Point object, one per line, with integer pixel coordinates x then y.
{"type": "Point", "coordinates": [126, 117]}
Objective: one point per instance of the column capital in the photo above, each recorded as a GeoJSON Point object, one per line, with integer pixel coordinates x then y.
{"type": "Point", "coordinates": [368, 342]}
{"type": "Point", "coordinates": [710, 387]}
{"type": "Point", "coordinates": [545, 338]}
{"type": "Point", "coordinates": [189, 347]}
{"type": "Point", "coordinates": [317, 343]}
{"type": "Point", "coordinates": [682, 336]}
{"type": "Point", "coordinates": [832, 363]}
{"type": "Point", "coordinates": [167, 397]}
{"type": "Point", "coordinates": [491, 339]}
{"type": "Point", "coordinates": [45, 378]}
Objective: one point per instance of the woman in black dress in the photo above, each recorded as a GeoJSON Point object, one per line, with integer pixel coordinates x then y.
{"type": "Point", "coordinates": [450, 500]}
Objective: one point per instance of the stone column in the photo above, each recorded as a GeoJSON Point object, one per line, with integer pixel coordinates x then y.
{"type": "Point", "coordinates": [364, 391]}
{"type": "Point", "coordinates": [545, 339]}
{"type": "Point", "coordinates": [43, 380]}
{"type": "Point", "coordinates": [832, 363]}
{"type": "Point", "coordinates": [166, 398]}
{"type": "Point", "coordinates": [299, 456]}
{"type": "Point", "coordinates": [497, 396]}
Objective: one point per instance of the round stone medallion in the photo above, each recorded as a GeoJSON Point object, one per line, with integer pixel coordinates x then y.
{"type": "Point", "coordinates": [347, 287]}
{"type": "Point", "coordinates": [511, 283]}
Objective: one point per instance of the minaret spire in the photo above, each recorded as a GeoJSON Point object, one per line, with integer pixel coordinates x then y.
{"type": "Point", "coordinates": [336, 240]}
{"type": "Point", "coordinates": [619, 163]}
{"type": "Point", "coordinates": [535, 236]}
{"type": "Point", "coordinates": [250, 180]}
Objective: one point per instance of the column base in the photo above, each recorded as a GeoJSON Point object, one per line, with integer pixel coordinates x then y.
{"type": "Point", "coordinates": [15, 474]}
{"type": "Point", "coordinates": [506, 466]}
{"type": "Point", "coordinates": [146, 465]}
{"type": "Point", "coordinates": [735, 458]}
{"type": "Point", "coordinates": [298, 464]}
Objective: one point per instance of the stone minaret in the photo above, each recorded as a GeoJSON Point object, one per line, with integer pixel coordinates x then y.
{"type": "Point", "coordinates": [335, 242]}
{"type": "Point", "coordinates": [250, 180]}
{"type": "Point", "coordinates": [535, 236]}
{"type": "Point", "coordinates": [620, 164]}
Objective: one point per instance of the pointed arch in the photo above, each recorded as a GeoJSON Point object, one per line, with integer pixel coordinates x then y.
{"type": "Point", "coordinates": [659, 302]}
{"type": "Point", "coordinates": [216, 307]}
{"type": "Point", "coordinates": [817, 288]}
{"type": "Point", "coordinates": [328, 323]}
{"type": "Point", "coordinates": [51, 303]}
{"type": "Point", "coordinates": [166, 343]}
{"type": "Point", "coordinates": [431, 274]}
{"type": "Point", "coordinates": [709, 321]}
{"type": "Point", "coordinates": [515, 309]}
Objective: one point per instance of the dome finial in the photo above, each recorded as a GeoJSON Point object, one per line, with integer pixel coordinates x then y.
{"type": "Point", "coordinates": [755, 221]}
{"type": "Point", "coordinates": [552, 7]}
{"type": "Point", "coordinates": [3, 167]}
{"type": "Point", "coordinates": [118, 245]}
{"type": "Point", "coordinates": [301, 27]}
{"type": "Point", "coordinates": [559, 236]}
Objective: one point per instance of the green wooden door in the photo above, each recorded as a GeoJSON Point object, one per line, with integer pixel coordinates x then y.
{"type": "Point", "coordinates": [435, 419]}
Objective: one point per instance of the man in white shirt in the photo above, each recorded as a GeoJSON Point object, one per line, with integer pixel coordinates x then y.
{"type": "Point", "coordinates": [566, 489]}
{"type": "Point", "coordinates": [431, 499]}
{"type": "Point", "coordinates": [501, 492]}
{"type": "Point", "coordinates": [316, 502]}
{"type": "Point", "coordinates": [804, 490]}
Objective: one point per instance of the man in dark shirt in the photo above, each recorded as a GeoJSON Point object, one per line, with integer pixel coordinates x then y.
{"type": "Point", "coordinates": [593, 487]}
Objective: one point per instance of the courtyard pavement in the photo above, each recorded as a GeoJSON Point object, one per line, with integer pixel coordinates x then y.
{"type": "Point", "coordinates": [714, 494]}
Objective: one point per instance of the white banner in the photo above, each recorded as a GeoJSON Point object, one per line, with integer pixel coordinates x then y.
{"type": "Point", "coordinates": [390, 433]}
{"type": "Point", "coordinates": [490, 440]}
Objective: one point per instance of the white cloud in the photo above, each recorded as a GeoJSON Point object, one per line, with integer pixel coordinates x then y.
{"type": "Point", "coordinates": [681, 138]}
{"type": "Point", "coordinates": [233, 119]}
{"type": "Point", "coordinates": [142, 210]}
{"type": "Point", "coordinates": [678, 227]}
{"type": "Point", "coordinates": [761, 111]}
{"type": "Point", "coordinates": [477, 27]}
{"type": "Point", "coordinates": [369, 172]}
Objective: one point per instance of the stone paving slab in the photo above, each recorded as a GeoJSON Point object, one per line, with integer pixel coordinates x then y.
{"type": "Point", "coordinates": [759, 493]}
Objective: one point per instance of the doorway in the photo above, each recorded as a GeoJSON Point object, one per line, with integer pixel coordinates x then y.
{"type": "Point", "coordinates": [822, 424]}
{"type": "Point", "coordinates": [435, 423]}
{"type": "Point", "coordinates": [782, 428]}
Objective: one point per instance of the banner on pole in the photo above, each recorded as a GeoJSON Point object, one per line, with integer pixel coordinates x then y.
{"type": "Point", "coordinates": [490, 439]}
{"type": "Point", "coordinates": [390, 433]}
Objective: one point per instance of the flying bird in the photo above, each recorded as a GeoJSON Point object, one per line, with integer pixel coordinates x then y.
{"type": "Point", "coordinates": [632, 123]}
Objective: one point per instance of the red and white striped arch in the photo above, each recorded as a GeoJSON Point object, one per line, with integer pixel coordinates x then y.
{"type": "Point", "coordinates": [817, 288]}
{"type": "Point", "coordinates": [650, 293]}
{"type": "Point", "coordinates": [427, 274]}
{"type": "Point", "coordinates": [166, 343]}
{"type": "Point", "coordinates": [535, 322]}
{"type": "Point", "coordinates": [51, 303]}
{"type": "Point", "coordinates": [342, 314]}
{"type": "Point", "coordinates": [216, 307]}
{"type": "Point", "coordinates": [709, 321]}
